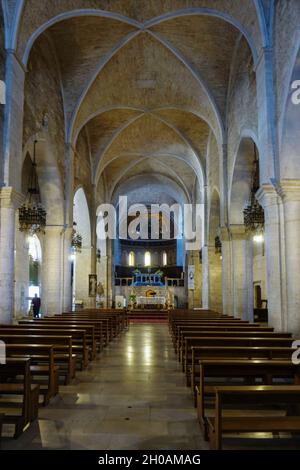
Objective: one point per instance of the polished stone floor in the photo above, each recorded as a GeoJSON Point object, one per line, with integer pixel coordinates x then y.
{"type": "Point", "coordinates": [132, 397]}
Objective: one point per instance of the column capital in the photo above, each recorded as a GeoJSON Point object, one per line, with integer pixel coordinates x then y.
{"type": "Point", "coordinates": [238, 232]}
{"type": "Point", "coordinates": [10, 198]}
{"type": "Point", "coordinates": [224, 234]}
{"type": "Point", "coordinates": [268, 195]}
{"type": "Point", "coordinates": [54, 229]}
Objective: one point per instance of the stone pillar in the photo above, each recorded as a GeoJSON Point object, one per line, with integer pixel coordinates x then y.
{"type": "Point", "coordinates": [248, 280]}
{"type": "Point", "coordinates": [67, 266]}
{"type": "Point", "coordinates": [10, 200]}
{"type": "Point", "coordinates": [93, 242]}
{"type": "Point", "coordinates": [227, 281]}
{"type": "Point", "coordinates": [110, 275]}
{"type": "Point", "coordinates": [52, 284]}
{"type": "Point", "coordinates": [266, 116]}
{"type": "Point", "coordinates": [291, 210]}
{"type": "Point", "coordinates": [269, 199]}
{"type": "Point", "coordinates": [205, 278]}
{"type": "Point", "coordinates": [195, 295]}
{"type": "Point", "coordinates": [13, 123]}
{"type": "Point", "coordinates": [102, 277]}
{"type": "Point", "coordinates": [242, 273]}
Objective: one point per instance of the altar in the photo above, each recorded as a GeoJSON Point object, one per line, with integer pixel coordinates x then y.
{"type": "Point", "coordinates": [155, 301]}
{"type": "Point", "coordinates": [149, 291]}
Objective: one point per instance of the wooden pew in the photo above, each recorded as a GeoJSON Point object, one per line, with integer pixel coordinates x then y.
{"type": "Point", "coordinates": [94, 335]}
{"type": "Point", "coordinates": [19, 413]}
{"type": "Point", "coordinates": [42, 365]}
{"type": "Point", "coordinates": [117, 318]}
{"type": "Point", "coordinates": [192, 323]}
{"type": "Point", "coordinates": [102, 323]}
{"type": "Point", "coordinates": [83, 336]}
{"type": "Point", "coordinates": [79, 345]}
{"type": "Point", "coordinates": [247, 369]}
{"type": "Point", "coordinates": [107, 324]}
{"type": "Point", "coordinates": [230, 339]}
{"type": "Point", "coordinates": [226, 352]}
{"type": "Point", "coordinates": [285, 398]}
{"type": "Point", "coordinates": [63, 354]}
{"type": "Point", "coordinates": [183, 331]}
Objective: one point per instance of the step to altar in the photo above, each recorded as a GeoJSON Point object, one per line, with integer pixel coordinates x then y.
{"type": "Point", "coordinates": [148, 315]}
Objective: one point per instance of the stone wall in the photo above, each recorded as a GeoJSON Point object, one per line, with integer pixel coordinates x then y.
{"type": "Point", "coordinates": [82, 166]}
{"type": "Point", "coordinates": [44, 101]}
{"type": "Point", "coordinates": [242, 104]}
{"type": "Point", "coordinates": [2, 72]}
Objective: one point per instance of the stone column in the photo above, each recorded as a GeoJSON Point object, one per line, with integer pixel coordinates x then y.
{"type": "Point", "coordinates": [13, 120]}
{"type": "Point", "coordinates": [266, 117]}
{"type": "Point", "coordinates": [93, 242]}
{"type": "Point", "coordinates": [205, 278]}
{"type": "Point", "coordinates": [242, 273]}
{"type": "Point", "coordinates": [67, 266]}
{"type": "Point", "coordinates": [248, 280]}
{"type": "Point", "coordinates": [291, 210]}
{"type": "Point", "coordinates": [195, 295]}
{"type": "Point", "coordinates": [227, 296]}
{"type": "Point", "coordinates": [269, 199]}
{"type": "Point", "coordinates": [102, 277]}
{"type": "Point", "coordinates": [52, 292]}
{"type": "Point", "coordinates": [10, 200]}
{"type": "Point", "coordinates": [110, 275]}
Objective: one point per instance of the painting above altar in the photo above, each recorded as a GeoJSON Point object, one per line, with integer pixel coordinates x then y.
{"type": "Point", "coordinates": [148, 279]}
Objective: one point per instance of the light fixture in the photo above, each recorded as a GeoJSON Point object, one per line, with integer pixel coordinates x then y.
{"type": "Point", "coordinates": [32, 215]}
{"type": "Point", "coordinates": [76, 240]}
{"type": "Point", "coordinates": [254, 217]}
{"type": "Point", "coordinates": [258, 238]}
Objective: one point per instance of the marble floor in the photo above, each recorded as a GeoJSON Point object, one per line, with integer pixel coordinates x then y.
{"type": "Point", "coordinates": [132, 397]}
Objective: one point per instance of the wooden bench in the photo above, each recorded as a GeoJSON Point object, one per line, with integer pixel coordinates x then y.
{"type": "Point", "coordinates": [18, 401]}
{"type": "Point", "coordinates": [229, 339]}
{"type": "Point", "coordinates": [79, 345]}
{"type": "Point", "coordinates": [63, 355]}
{"type": "Point", "coordinates": [42, 366]}
{"type": "Point", "coordinates": [178, 326]}
{"type": "Point", "coordinates": [83, 336]}
{"type": "Point", "coordinates": [285, 397]}
{"type": "Point", "coordinates": [210, 323]}
{"type": "Point", "coordinates": [248, 370]}
{"type": "Point", "coordinates": [244, 329]}
{"type": "Point", "coordinates": [226, 352]}
{"type": "Point", "coordinates": [107, 321]}
{"type": "Point", "coordinates": [99, 334]}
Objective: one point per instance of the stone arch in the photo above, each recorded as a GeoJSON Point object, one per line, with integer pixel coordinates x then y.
{"type": "Point", "coordinates": [83, 259]}
{"type": "Point", "coordinates": [289, 128]}
{"type": "Point", "coordinates": [214, 257]}
{"type": "Point", "coordinates": [240, 182]}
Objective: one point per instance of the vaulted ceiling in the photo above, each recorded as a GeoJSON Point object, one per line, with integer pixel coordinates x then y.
{"type": "Point", "coordinates": [148, 98]}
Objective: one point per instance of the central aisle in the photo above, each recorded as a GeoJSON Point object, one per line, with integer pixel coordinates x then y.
{"type": "Point", "coordinates": [133, 397]}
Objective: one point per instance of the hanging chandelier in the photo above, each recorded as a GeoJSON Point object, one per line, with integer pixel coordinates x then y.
{"type": "Point", "coordinates": [32, 215]}
{"type": "Point", "coordinates": [254, 217]}
{"type": "Point", "coordinates": [76, 240]}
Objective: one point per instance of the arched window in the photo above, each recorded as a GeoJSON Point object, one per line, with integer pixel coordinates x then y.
{"type": "Point", "coordinates": [165, 258]}
{"type": "Point", "coordinates": [34, 248]}
{"type": "Point", "coordinates": [147, 258]}
{"type": "Point", "coordinates": [131, 260]}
